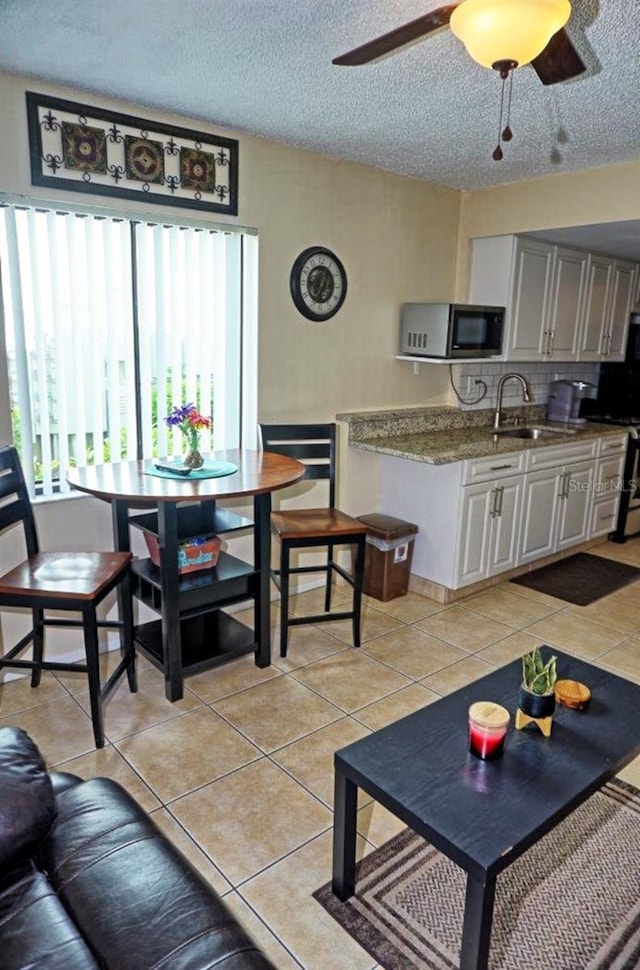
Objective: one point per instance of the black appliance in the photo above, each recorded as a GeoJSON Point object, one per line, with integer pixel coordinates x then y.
{"type": "Point", "coordinates": [618, 402]}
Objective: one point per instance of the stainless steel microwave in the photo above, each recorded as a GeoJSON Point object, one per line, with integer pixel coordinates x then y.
{"type": "Point", "coordinates": [450, 330]}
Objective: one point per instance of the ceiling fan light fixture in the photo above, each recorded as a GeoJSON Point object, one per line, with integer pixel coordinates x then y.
{"type": "Point", "coordinates": [508, 30]}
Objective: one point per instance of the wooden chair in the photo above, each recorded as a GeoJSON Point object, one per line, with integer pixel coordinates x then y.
{"type": "Point", "coordinates": [315, 446]}
{"type": "Point", "coordinates": [74, 581]}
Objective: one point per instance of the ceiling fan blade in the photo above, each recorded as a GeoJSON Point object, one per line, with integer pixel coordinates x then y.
{"type": "Point", "coordinates": [397, 38]}
{"type": "Point", "coordinates": [559, 61]}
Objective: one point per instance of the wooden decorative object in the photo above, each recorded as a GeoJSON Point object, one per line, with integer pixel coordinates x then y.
{"type": "Point", "coordinates": [572, 693]}
{"type": "Point", "coordinates": [544, 723]}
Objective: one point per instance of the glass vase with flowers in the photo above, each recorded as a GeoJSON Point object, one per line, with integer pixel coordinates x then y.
{"type": "Point", "coordinates": [188, 420]}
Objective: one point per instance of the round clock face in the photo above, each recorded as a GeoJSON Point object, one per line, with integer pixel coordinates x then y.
{"type": "Point", "coordinates": [318, 283]}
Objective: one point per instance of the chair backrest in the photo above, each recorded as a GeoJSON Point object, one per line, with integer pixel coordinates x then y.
{"type": "Point", "coordinates": [15, 504]}
{"type": "Point", "coordinates": [312, 444]}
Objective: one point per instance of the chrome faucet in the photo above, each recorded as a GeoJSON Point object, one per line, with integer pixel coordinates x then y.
{"type": "Point", "coordinates": [526, 396]}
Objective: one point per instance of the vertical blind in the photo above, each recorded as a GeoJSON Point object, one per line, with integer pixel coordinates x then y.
{"type": "Point", "coordinates": [111, 323]}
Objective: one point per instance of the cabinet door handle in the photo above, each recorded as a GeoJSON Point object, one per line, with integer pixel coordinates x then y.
{"type": "Point", "coordinates": [552, 341]}
{"type": "Point", "coordinates": [497, 468]}
{"type": "Point", "coordinates": [494, 504]}
{"type": "Point", "coordinates": [563, 482]}
{"type": "Point", "coordinates": [545, 349]}
{"type": "Point", "coordinates": [499, 497]}
{"type": "Point", "coordinates": [609, 339]}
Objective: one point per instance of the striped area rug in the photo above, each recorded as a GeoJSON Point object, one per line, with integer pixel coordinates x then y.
{"type": "Point", "coordinates": [571, 902]}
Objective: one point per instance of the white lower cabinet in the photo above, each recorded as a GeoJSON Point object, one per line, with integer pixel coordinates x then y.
{"type": "Point", "coordinates": [539, 515]}
{"type": "Point", "coordinates": [604, 516]}
{"type": "Point", "coordinates": [481, 517]}
{"type": "Point", "coordinates": [607, 486]}
{"type": "Point", "coordinates": [556, 509]}
{"type": "Point", "coordinates": [558, 494]}
{"type": "Point", "coordinates": [575, 501]}
{"type": "Point", "coordinates": [489, 516]}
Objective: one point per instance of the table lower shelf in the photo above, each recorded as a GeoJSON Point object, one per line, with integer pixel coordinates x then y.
{"type": "Point", "coordinates": [207, 640]}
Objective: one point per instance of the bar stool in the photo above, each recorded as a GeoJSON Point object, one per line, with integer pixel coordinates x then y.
{"type": "Point", "coordinates": [315, 446]}
{"type": "Point", "coordinates": [69, 581]}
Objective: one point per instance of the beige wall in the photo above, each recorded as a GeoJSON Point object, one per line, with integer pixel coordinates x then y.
{"type": "Point", "coordinates": [396, 236]}
{"type": "Point", "coordinates": [610, 194]}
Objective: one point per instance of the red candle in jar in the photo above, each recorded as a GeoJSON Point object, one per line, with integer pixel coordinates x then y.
{"type": "Point", "coordinates": [488, 724]}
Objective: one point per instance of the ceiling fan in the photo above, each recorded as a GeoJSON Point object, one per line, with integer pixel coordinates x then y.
{"type": "Point", "coordinates": [557, 59]}
{"type": "Point", "coordinates": [499, 34]}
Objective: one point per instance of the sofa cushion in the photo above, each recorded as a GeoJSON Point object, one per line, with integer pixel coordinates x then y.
{"type": "Point", "coordinates": [35, 929]}
{"type": "Point", "coordinates": [132, 893]}
{"type": "Point", "coordinates": [27, 804]}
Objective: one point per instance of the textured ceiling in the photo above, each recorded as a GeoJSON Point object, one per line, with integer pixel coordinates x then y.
{"type": "Point", "coordinates": [264, 66]}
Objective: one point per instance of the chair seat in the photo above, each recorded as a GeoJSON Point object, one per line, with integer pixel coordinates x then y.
{"type": "Point", "coordinates": [68, 575]}
{"type": "Point", "coordinates": [315, 522]}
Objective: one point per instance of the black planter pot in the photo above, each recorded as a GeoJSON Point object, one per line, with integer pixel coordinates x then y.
{"type": "Point", "coordinates": [536, 705]}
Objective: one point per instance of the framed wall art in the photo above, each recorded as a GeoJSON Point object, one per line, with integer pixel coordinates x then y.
{"type": "Point", "coordinates": [84, 149]}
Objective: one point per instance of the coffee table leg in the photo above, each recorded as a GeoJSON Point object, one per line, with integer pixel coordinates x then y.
{"type": "Point", "coordinates": [476, 930]}
{"type": "Point", "coordinates": [344, 836]}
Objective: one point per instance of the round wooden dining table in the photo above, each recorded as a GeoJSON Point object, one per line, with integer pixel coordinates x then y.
{"type": "Point", "coordinates": [194, 632]}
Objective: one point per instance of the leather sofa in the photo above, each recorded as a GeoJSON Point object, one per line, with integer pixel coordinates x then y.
{"type": "Point", "coordinates": [87, 880]}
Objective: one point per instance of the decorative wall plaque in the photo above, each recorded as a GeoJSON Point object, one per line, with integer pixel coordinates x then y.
{"type": "Point", "coordinates": [73, 146]}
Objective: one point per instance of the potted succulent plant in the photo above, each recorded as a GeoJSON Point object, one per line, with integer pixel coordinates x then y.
{"type": "Point", "coordinates": [537, 698]}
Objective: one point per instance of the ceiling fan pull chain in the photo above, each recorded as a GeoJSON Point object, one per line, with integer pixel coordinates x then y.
{"type": "Point", "coordinates": [498, 154]}
{"type": "Point", "coordinates": [507, 134]}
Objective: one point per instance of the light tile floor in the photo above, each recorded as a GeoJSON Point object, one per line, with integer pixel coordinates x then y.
{"type": "Point", "coordinates": [239, 774]}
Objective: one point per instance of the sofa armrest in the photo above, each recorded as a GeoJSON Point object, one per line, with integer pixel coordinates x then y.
{"type": "Point", "coordinates": [136, 899]}
{"type": "Point", "coordinates": [27, 805]}
{"type": "Point", "coordinates": [61, 780]}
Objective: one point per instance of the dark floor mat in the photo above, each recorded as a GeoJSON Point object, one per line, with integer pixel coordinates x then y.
{"type": "Point", "coordinates": [580, 579]}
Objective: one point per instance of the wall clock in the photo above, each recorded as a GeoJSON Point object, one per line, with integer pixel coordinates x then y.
{"type": "Point", "coordinates": [318, 283]}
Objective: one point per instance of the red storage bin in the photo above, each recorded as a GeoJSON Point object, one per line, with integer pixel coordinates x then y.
{"type": "Point", "coordinates": [193, 555]}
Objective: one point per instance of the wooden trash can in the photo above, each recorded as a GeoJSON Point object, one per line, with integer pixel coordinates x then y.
{"type": "Point", "coordinates": [388, 556]}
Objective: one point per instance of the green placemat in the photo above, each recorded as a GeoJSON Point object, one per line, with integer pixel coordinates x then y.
{"type": "Point", "coordinates": [210, 469]}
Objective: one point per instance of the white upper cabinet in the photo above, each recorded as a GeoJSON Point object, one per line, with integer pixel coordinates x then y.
{"type": "Point", "coordinates": [562, 304]}
{"type": "Point", "coordinates": [565, 314]}
{"type": "Point", "coordinates": [527, 334]}
{"type": "Point", "coordinates": [622, 297]}
{"type": "Point", "coordinates": [609, 299]}
{"type": "Point", "coordinates": [597, 301]}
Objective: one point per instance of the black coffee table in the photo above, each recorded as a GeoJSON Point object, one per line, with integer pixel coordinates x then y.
{"type": "Point", "coordinates": [483, 815]}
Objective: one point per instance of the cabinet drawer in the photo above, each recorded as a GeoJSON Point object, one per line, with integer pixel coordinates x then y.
{"type": "Point", "coordinates": [604, 514]}
{"type": "Point", "coordinates": [497, 466]}
{"type": "Point", "coordinates": [556, 455]}
{"type": "Point", "coordinates": [613, 444]}
{"type": "Point", "coordinates": [608, 479]}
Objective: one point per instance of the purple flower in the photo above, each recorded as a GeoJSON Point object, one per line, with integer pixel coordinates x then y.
{"type": "Point", "coordinates": [179, 414]}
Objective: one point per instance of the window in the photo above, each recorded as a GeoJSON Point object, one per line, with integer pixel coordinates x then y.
{"type": "Point", "coordinates": [112, 322]}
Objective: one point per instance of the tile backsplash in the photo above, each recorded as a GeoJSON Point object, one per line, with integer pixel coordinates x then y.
{"type": "Point", "coordinates": [539, 375]}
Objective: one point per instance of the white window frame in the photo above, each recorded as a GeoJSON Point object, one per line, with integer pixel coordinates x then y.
{"type": "Point", "coordinates": [241, 413]}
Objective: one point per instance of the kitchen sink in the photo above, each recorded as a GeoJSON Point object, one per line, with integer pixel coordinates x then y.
{"type": "Point", "coordinates": [532, 433]}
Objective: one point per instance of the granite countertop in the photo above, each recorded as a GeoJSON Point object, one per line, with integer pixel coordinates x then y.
{"type": "Point", "coordinates": [442, 435]}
